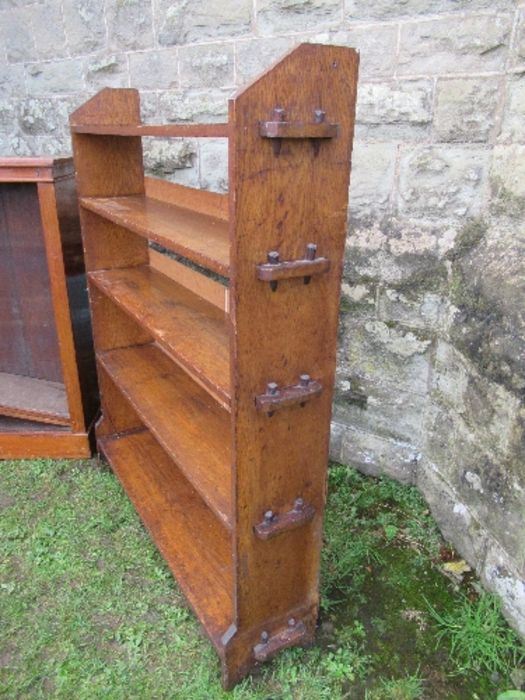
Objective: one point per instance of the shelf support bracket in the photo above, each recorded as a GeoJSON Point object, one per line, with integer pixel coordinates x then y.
{"type": "Point", "coordinates": [277, 397]}
{"type": "Point", "coordinates": [274, 524]}
{"type": "Point", "coordinates": [279, 128]}
{"type": "Point", "coordinates": [276, 269]}
{"type": "Point", "coordinates": [288, 636]}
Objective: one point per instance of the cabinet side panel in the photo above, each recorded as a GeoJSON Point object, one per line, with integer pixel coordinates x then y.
{"type": "Point", "coordinates": [285, 195]}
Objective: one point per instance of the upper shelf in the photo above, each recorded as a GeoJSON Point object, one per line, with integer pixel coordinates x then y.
{"type": "Point", "coordinates": [168, 130]}
{"type": "Point", "coordinates": [201, 238]}
{"type": "Point", "coordinates": [189, 329]}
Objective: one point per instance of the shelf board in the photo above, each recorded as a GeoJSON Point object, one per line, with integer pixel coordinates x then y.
{"type": "Point", "coordinates": [33, 399]}
{"type": "Point", "coordinates": [195, 546]}
{"type": "Point", "coordinates": [193, 429]}
{"type": "Point", "coordinates": [190, 330]}
{"type": "Point", "coordinates": [201, 238]}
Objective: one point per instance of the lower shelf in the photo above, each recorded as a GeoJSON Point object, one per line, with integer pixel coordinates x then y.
{"type": "Point", "coordinates": [194, 544]}
{"type": "Point", "coordinates": [33, 399]}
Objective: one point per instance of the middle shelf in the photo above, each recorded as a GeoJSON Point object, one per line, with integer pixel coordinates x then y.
{"type": "Point", "coordinates": [189, 329]}
{"type": "Point", "coordinates": [191, 427]}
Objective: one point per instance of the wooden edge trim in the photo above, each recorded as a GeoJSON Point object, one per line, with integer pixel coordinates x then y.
{"type": "Point", "coordinates": [166, 130]}
{"type": "Point", "coordinates": [54, 445]}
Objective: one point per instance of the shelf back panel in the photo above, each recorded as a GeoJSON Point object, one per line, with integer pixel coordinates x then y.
{"type": "Point", "coordinates": [28, 335]}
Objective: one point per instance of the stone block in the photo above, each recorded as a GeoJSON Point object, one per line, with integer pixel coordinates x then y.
{"type": "Point", "coordinates": [153, 70]}
{"type": "Point", "coordinates": [17, 35]}
{"type": "Point", "coordinates": [391, 9]}
{"type": "Point", "coordinates": [8, 114]}
{"type": "Point", "coordinates": [378, 456]}
{"type": "Point", "coordinates": [149, 112]}
{"type": "Point", "coordinates": [442, 182]}
{"type": "Point", "coordinates": [375, 353]}
{"type": "Point", "coordinates": [106, 70]}
{"type": "Point", "coordinates": [455, 519]}
{"type": "Point", "coordinates": [183, 22]}
{"type": "Point", "coordinates": [253, 56]}
{"type": "Point", "coordinates": [56, 77]}
{"type": "Point", "coordinates": [372, 178]}
{"type": "Point", "coordinates": [513, 125]}
{"type": "Point", "coordinates": [400, 102]}
{"type": "Point", "coordinates": [84, 25]}
{"type": "Point", "coordinates": [214, 164]}
{"type": "Point", "coordinates": [396, 252]}
{"type": "Point", "coordinates": [500, 575]}
{"type": "Point", "coordinates": [279, 16]}
{"type": "Point", "coordinates": [208, 66]}
{"type": "Point", "coordinates": [44, 116]}
{"type": "Point", "coordinates": [475, 43]}
{"type": "Point", "coordinates": [337, 430]}
{"type": "Point", "coordinates": [204, 105]}
{"type": "Point", "coordinates": [163, 157]}
{"type": "Point", "coordinates": [48, 30]}
{"type": "Point", "coordinates": [466, 108]}
{"type": "Point", "coordinates": [383, 410]}
{"type": "Point", "coordinates": [508, 168]}
{"type": "Point", "coordinates": [490, 483]}
{"type": "Point", "coordinates": [129, 25]}
{"type": "Point", "coordinates": [485, 407]}
{"type": "Point", "coordinates": [377, 47]}
{"type": "Point", "coordinates": [413, 309]}
{"type": "Point", "coordinates": [12, 81]}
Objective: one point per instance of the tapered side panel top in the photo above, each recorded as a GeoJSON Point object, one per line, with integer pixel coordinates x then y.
{"type": "Point", "coordinates": [109, 107]}
{"type": "Point", "coordinates": [108, 166]}
{"type": "Point", "coordinates": [289, 189]}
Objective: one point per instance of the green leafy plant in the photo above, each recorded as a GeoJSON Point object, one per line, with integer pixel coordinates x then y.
{"type": "Point", "coordinates": [480, 640]}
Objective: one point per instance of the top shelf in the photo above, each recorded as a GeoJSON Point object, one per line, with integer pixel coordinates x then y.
{"type": "Point", "coordinates": [166, 130]}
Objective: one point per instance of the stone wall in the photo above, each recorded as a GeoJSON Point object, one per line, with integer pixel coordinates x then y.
{"type": "Point", "coordinates": [431, 373]}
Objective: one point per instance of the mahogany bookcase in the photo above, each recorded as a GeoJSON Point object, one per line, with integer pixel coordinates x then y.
{"type": "Point", "coordinates": [48, 389]}
{"type": "Point", "coordinates": [216, 391]}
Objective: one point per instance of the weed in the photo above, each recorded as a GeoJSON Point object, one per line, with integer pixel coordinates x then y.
{"type": "Point", "coordinates": [409, 688]}
{"type": "Point", "coordinates": [479, 638]}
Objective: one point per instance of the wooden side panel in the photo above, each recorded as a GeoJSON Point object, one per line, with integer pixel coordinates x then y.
{"type": "Point", "coordinates": [109, 166]}
{"type": "Point", "coordinates": [282, 199]}
{"type": "Point", "coordinates": [60, 301]}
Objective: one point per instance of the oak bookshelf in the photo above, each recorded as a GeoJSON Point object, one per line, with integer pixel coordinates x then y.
{"type": "Point", "coordinates": [48, 394]}
{"type": "Point", "coordinates": [216, 388]}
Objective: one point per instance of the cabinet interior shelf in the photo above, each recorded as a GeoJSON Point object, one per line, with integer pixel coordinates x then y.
{"type": "Point", "coordinates": [33, 399]}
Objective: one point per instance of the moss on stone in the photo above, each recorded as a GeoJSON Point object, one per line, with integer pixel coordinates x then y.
{"type": "Point", "coordinates": [504, 202]}
{"type": "Point", "coordinates": [468, 238]}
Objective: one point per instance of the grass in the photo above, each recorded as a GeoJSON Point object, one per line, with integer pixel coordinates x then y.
{"type": "Point", "coordinates": [89, 610]}
{"type": "Point", "coordinates": [479, 639]}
